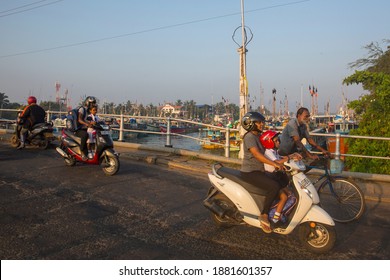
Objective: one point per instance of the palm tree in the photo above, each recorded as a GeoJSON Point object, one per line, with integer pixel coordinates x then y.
{"type": "Point", "coordinates": [179, 102]}
{"type": "Point", "coordinates": [3, 101]}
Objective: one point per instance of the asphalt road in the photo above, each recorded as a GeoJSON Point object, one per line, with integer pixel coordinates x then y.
{"type": "Point", "coordinates": [146, 211]}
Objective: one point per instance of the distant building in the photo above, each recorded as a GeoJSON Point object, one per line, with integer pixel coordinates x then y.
{"type": "Point", "coordinates": [171, 110]}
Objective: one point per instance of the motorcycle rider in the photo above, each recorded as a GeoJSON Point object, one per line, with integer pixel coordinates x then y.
{"type": "Point", "coordinates": [30, 116]}
{"type": "Point", "coordinates": [83, 124]}
{"type": "Point", "coordinates": [252, 168]}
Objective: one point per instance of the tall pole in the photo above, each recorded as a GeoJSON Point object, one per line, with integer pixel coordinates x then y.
{"type": "Point", "coordinates": [273, 104]}
{"type": "Point", "coordinates": [243, 83]}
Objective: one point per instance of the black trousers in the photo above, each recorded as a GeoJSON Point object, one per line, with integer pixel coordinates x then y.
{"type": "Point", "coordinates": [269, 187]}
{"type": "Point", "coordinates": [83, 134]}
{"type": "Point", "coordinates": [280, 177]}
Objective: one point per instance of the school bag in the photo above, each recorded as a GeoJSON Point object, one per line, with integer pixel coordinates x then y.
{"type": "Point", "coordinates": [288, 207]}
{"type": "Point", "coordinates": [72, 123]}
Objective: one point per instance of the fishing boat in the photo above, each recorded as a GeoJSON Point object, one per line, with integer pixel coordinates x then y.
{"type": "Point", "coordinates": [174, 129]}
{"type": "Point", "coordinates": [209, 144]}
{"type": "Point", "coordinates": [153, 127]}
{"type": "Point", "coordinates": [342, 126]}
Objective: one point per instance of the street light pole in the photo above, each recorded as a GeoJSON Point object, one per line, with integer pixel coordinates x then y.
{"type": "Point", "coordinates": [243, 83]}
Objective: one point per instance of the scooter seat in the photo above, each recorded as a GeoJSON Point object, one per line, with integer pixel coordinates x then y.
{"type": "Point", "coordinates": [73, 136]}
{"type": "Point", "coordinates": [235, 175]}
{"type": "Point", "coordinates": [37, 125]}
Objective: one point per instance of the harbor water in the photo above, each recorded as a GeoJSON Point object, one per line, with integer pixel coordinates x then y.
{"type": "Point", "coordinates": [179, 142]}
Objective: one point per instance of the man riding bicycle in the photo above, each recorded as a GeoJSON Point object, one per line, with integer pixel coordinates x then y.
{"type": "Point", "coordinates": [294, 132]}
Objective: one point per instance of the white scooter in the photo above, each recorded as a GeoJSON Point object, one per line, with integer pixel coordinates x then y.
{"type": "Point", "coordinates": [232, 203]}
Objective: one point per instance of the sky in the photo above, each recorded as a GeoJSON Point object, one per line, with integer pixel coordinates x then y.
{"type": "Point", "coordinates": [155, 51]}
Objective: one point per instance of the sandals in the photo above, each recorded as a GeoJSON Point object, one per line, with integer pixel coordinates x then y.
{"type": "Point", "coordinates": [265, 226]}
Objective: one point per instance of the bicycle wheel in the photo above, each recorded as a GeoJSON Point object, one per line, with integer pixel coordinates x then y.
{"type": "Point", "coordinates": [346, 203]}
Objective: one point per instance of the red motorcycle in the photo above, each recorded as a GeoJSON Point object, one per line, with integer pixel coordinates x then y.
{"type": "Point", "coordinates": [103, 153]}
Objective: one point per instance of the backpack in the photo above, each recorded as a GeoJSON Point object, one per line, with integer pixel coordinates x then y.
{"type": "Point", "coordinates": [288, 207]}
{"type": "Point", "coordinates": [72, 123]}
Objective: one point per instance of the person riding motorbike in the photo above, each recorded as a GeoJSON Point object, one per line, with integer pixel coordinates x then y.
{"type": "Point", "coordinates": [252, 168]}
{"type": "Point", "coordinates": [83, 124]}
{"type": "Point", "coordinates": [30, 116]}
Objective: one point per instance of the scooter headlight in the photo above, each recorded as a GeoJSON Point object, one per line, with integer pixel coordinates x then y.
{"type": "Point", "coordinates": [101, 139]}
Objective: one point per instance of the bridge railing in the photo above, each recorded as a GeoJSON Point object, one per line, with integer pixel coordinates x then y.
{"type": "Point", "coordinates": [168, 121]}
{"type": "Point", "coordinates": [121, 119]}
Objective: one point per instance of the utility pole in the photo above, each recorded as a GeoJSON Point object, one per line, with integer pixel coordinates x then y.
{"type": "Point", "coordinates": [243, 81]}
{"type": "Point", "coordinates": [262, 107]}
{"type": "Point", "coordinates": [273, 104]}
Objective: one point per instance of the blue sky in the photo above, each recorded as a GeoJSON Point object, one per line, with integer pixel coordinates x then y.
{"type": "Point", "coordinates": [162, 51]}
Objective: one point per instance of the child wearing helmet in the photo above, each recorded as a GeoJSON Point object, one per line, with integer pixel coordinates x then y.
{"type": "Point", "coordinates": [270, 141]}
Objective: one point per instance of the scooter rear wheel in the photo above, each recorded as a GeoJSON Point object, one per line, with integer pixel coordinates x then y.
{"type": "Point", "coordinates": [226, 204]}
{"type": "Point", "coordinates": [318, 239]}
{"type": "Point", "coordinates": [70, 161]}
{"type": "Point", "coordinates": [43, 144]}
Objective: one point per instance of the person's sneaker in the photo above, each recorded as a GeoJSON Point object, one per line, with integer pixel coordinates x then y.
{"type": "Point", "coordinates": [83, 157]}
{"type": "Point", "coordinates": [21, 146]}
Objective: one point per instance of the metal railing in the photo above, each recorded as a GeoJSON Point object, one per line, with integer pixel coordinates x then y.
{"type": "Point", "coordinates": [224, 130]}
{"type": "Point", "coordinates": [168, 121]}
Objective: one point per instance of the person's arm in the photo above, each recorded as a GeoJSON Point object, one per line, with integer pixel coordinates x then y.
{"type": "Point", "coordinates": [282, 160]}
{"type": "Point", "coordinates": [295, 156]}
{"type": "Point", "coordinates": [24, 115]}
{"type": "Point", "coordinates": [82, 121]}
{"type": "Point", "coordinates": [262, 158]}
{"type": "Point", "coordinates": [318, 147]}
{"type": "Point", "coordinates": [301, 147]}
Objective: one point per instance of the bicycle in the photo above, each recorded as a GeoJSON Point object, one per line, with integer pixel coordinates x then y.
{"type": "Point", "coordinates": [341, 198]}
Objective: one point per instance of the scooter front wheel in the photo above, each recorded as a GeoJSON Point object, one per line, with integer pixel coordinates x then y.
{"type": "Point", "coordinates": [316, 237]}
{"type": "Point", "coordinates": [15, 141]}
{"type": "Point", "coordinates": [110, 164]}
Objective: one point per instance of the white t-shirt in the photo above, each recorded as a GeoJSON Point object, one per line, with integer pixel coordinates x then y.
{"type": "Point", "coordinates": [90, 130]}
{"type": "Point", "coordinates": [273, 155]}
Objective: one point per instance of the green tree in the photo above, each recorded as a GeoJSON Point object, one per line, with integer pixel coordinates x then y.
{"type": "Point", "coordinates": [374, 112]}
{"type": "Point", "coordinates": [52, 106]}
{"type": "Point", "coordinates": [3, 100]}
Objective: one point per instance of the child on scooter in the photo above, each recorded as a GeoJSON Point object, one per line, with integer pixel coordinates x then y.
{"type": "Point", "coordinates": [270, 141]}
{"type": "Point", "coordinates": [91, 131]}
